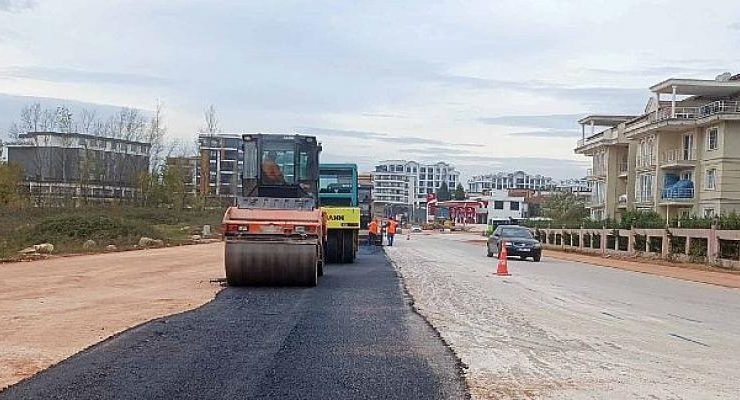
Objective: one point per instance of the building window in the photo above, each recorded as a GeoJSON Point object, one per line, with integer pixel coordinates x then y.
{"type": "Point", "coordinates": [514, 206]}
{"type": "Point", "coordinates": [712, 139]}
{"type": "Point", "coordinates": [708, 212]}
{"type": "Point", "coordinates": [498, 205]}
{"type": "Point", "coordinates": [711, 179]}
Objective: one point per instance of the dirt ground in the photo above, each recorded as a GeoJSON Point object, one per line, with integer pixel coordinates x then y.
{"type": "Point", "coordinates": [52, 309]}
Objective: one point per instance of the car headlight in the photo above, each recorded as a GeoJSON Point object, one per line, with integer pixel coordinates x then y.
{"type": "Point", "coordinates": [537, 245]}
{"type": "Point", "coordinates": [507, 243]}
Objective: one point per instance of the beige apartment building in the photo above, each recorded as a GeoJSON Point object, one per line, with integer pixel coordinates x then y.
{"type": "Point", "coordinates": [680, 157]}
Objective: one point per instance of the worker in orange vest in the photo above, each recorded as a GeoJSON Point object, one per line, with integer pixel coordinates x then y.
{"type": "Point", "coordinates": [373, 230]}
{"type": "Point", "coordinates": [390, 230]}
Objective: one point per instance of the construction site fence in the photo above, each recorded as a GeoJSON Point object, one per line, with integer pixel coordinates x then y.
{"type": "Point", "coordinates": [715, 247]}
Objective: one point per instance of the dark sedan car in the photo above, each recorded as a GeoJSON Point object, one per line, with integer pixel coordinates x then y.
{"type": "Point", "coordinates": [518, 240]}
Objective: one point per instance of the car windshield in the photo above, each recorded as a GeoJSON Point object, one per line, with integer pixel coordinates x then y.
{"type": "Point", "coordinates": [516, 233]}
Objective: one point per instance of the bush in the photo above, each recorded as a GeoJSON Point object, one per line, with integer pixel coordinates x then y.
{"type": "Point", "coordinates": [698, 249]}
{"type": "Point", "coordinates": [656, 244]}
{"type": "Point", "coordinates": [640, 242]}
{"type": "Point", "coordinates": [729, 249]}
{"type": "Point", "coordinates": [678, 244]}
{"type": "Point", "coordinates": [640, 219]}
{"type": "Point", "coordinates": [80, 228]}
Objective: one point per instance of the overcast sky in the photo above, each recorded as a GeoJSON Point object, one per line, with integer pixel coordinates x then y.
{"type": "Point", "coordinates": [486, 85]}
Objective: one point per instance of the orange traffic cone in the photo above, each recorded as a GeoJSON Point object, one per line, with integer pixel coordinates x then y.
{"type": "Point", "coordinates": [503, 265]}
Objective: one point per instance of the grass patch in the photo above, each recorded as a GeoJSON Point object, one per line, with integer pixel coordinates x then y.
{"type": "Point", "coordinates": [68, 229]}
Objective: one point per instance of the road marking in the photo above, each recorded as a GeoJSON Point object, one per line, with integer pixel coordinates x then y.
{"type": "Point", "coordinates": [688, 340]}
{"type": "Point", "coordinates": [684, 318]}
{"type": "Point", "coordinates": [611, 315]}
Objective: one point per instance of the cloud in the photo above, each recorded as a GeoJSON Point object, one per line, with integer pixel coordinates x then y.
{"type": "Point", "coordinates": [381, 137]}
{"type": "Point", "coordinates": [383, 115]}
{"type": "Point", "coordinates": [17, 5]}
{"type": "Point", "coordinates": [60, 74]}
{"type": "Point", "coordinates": [734, 26]}
{"type": "Point", "coordinates": [549, 133]}
{"type": "Point", "coordinates": [554, 121]}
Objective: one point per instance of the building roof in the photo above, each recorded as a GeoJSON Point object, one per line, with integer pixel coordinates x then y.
{"type": "Point", "coordinates": [698, 87]}
{"type": "Point", "coordinates": [605, 120]}
{"type": "Point", "coordinates": [29, 135]}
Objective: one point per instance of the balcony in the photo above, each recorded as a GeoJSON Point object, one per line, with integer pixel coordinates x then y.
{"type": "Point", "coordinates": [643, 197]}
{"type": "Point", "coordinates": [677, 196]}
{"type": "Point", "coordinates": [645, 161]}
{"type": "Point", "coordinates": [622, 169]}
{"type": "Point", "coordinates": [690, 113]}
{"type": "Point", "coordinates": [594, 173]}
{"type": "Point", "coordinates": [678, 158]}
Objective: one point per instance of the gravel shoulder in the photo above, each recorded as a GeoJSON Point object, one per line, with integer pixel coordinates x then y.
{"type": "Point", "coordinates": [52, 309]}
{"type": "Point", "coordinates": [565, 330]}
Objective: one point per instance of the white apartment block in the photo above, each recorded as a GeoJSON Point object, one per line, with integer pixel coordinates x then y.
{"type": "Point", "coordinates": [405, 184]}
{"type": "Point", "coordinates": [680, 157]}
{"type": "Point", "coordinates": [481, 184]}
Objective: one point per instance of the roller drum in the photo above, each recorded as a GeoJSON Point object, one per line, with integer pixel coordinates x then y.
{"type": "Point", "coordinates": [271, 262]}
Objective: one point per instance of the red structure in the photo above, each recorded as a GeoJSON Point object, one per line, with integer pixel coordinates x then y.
{"type": "Point", "coordinates": [463, 211]}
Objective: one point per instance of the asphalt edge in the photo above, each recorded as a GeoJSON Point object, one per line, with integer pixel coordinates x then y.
{"type": "Point", "coordinates": [460, 366]}
{"type": "Point", "coordinates": [114, 336]}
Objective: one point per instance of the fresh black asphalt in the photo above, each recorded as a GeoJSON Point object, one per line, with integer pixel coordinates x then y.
{"type": "Point", "coordinates": [355, 336]}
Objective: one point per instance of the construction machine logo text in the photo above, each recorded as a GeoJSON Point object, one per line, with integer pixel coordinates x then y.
{"type": "Point", "coordinates": [336, 218]}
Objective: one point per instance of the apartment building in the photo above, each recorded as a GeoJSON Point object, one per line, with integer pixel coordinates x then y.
{"type": "Point", "coordinates": [220, 165]}
{"type": "Point", "coordinates": [404, 185]}
{"type": "Point", "coordinates": [68, 165]}
{"type": "Point", "coordinates": [188, 168]}
{"type": "Point", "coordinates": [483, 184]}
{"type": "Point", "coordinates": [680, 157]}
{"type": "Point", "coordinates": [580, 187]}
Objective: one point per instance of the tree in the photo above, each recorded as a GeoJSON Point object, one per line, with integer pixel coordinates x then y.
{"type": "Point", "coordinates": [459, 192]}
{"type": "Point", "coordinates": [155, 136]}
{"type": "Point", "coordinates": [210, 120]}
{"type": "Point", "coordinates": [11, 177]}
{"type": "Point", "coordinates": [565, 207]}
{"type": "Point", "coordinates": [443, 193]}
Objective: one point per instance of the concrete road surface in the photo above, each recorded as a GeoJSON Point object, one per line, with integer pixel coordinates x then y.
{"type": "Point", "coordinates": [563, 330]}
{"type": "Point", "coordinates": [354, 336]}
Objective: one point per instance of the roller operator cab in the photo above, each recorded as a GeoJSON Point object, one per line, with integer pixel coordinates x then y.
{"type": "Point", "coordinates": [338, 194]}
{"type": "Point", "coordinates": [275, 234]}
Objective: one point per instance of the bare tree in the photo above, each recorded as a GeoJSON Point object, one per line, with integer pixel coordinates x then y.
{"type": "Point", "coordinates": [31, 118]}
{"type": "Point", "coordinates": [210, 119]}
{"type": "Point", "coordinates": [155, 136]}
{"type": "Point", "coordinates": [48, 120]}
{"type": "Point", "coordinates": [63, 121]}
{"type": "Point", "coordinates": [87, 121]}
{"type": "Point", "coordinates": [14, 131]}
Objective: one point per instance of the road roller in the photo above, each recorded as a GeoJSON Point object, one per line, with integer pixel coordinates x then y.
{"type": "Point", "coordinates": [338, 194]}
{"type": "Point", "coordinates": [274, 235]}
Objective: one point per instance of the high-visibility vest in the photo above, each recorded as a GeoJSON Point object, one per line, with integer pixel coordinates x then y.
{"type": "Point", "coordinates": [392, 227]}
{"type": "Point", "coordinates": [373, 227]}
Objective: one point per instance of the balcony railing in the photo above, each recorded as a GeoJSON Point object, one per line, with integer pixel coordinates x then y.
{"type": "Point", "coordinates": [715, 107]}
{"type": "Point", "coordinates": [622, 168]}
{"type": "Point", "coordinates": [645, 160]}
{"type": "Point", "coordinates": [674, 156]}
{"type": "Point", "coordinates": [600, 171]}
{"type": "Point", "coordinates": [678, 194]}
{"type": "Point", "coordinates": [643, 197]}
